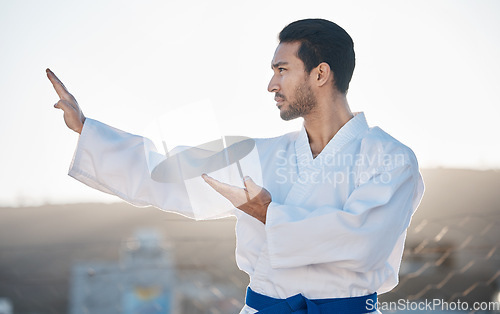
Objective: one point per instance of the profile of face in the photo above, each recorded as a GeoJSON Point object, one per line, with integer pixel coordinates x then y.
{"type": "Point", "coordinates": [290, 83]}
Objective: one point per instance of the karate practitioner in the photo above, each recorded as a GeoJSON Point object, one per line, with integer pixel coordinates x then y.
{"type": "Point", "coordinates": [322, 212]}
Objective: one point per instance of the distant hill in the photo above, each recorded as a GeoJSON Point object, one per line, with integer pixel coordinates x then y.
{"type": "Point", "coordinates": [452, 245]}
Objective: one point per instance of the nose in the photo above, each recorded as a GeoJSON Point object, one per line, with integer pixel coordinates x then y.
{"type": "Point", "coordinates": [273, 85]}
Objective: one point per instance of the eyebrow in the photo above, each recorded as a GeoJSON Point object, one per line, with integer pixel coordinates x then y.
{"type": "Point", "coordinates": [278, 64]}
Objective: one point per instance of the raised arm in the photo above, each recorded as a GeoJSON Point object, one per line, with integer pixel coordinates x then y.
{"type": "Point", "coordinates": [73, 115]}
{"type": "Point", "coordinates": [122, 164]}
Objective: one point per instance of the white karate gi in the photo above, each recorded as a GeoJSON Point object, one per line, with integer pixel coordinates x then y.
{"type": "Point", "coordinates": [336, 224]}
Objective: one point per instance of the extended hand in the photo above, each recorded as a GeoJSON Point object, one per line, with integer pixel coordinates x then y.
{"type": "Point", "coordinates": [253, 199]}
{"type": "Point", "coordinates": [73, 115]}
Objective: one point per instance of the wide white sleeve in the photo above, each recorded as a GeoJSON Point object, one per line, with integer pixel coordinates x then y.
{"type": "Point", "coordinates": [360, 236]}
{"type": "Point", "coordinates": [120, 163]}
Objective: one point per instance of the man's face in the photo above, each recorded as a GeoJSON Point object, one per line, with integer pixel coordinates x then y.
{"type": "Point", "coordinates": [290, 82]}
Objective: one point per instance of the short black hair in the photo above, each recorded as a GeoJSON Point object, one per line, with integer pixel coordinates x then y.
{"type": "Point", "coordinates": [323, 41]}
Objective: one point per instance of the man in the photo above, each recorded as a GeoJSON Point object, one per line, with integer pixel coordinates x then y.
{"type": "Point", "coordinates": [322, 229]}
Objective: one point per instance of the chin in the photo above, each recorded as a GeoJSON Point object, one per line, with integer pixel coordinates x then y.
{"type": "Point", "coordinates": [287, 116]}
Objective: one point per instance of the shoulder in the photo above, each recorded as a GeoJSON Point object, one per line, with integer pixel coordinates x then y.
{"type": "Point", "coordinates": [385, 150]}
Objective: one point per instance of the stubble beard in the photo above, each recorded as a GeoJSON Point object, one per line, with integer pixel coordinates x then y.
{"type": "Point", "coordinates": [303, 104]}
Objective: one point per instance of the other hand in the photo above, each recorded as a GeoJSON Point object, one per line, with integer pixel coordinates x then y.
{"type": "Point", "coordinates": [73, 115]}
{"type": "Point", "coordinates": [253, 199]}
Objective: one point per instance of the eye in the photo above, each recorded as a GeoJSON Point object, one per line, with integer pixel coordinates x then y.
{"type": "Point", "coordinates": [281, 70]}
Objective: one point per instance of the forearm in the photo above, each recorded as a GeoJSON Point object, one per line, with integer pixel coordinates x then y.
{"type": "Point", "coordinates": [120, 163]}
{"type": "Point", "coordinates": [359, 236]}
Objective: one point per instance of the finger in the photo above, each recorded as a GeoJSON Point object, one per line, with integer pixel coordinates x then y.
{"type": "Point", "coordinates": [64, 106]}
{"type": "Point", "coordinates": [58, 85]}
{"type": "Point", "coordinates": [252, 188]}
{"type": "Point", "coordinates": [222, 188]}
{"type": "Point", "coordinates": [234, 194]}
{"type": "Point", "coordinates": [53, 76]}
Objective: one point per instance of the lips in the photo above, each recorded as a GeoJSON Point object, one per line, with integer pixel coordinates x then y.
{"type": "Point", "coordinates": [278, 100]}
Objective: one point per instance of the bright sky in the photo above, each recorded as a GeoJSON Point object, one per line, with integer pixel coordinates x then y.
{"type": "Point", "coordinates": [427, 72]}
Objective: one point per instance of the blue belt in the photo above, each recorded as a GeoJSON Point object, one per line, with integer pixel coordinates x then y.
{"type": "Point", "coordinates": [301, 305]}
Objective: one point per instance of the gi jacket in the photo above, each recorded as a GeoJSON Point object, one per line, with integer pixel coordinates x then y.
{"type": "Point", "coordinates": [336, 224]}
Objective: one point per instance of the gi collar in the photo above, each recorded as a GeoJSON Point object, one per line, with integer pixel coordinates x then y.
{"type": "Point", "coordinates": [352, 129]}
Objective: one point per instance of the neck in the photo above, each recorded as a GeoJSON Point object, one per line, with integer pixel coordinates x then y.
{"type": "Point", "coordinates": [326, 120]}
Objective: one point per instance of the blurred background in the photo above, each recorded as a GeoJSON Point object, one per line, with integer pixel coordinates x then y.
{"type": "Point", "coordinates": [426, 73]}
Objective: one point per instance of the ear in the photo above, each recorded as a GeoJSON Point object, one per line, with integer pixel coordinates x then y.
{"type": "Point", "coordinates": [322, 74]}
